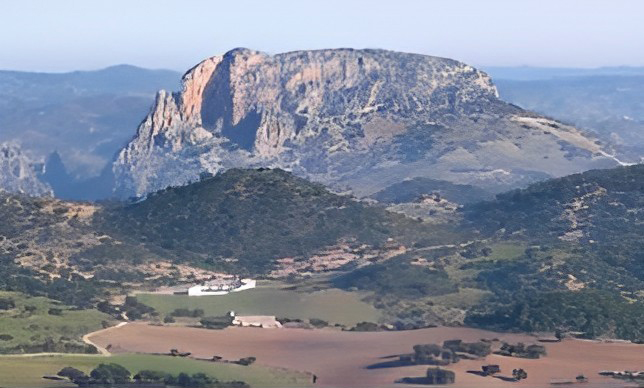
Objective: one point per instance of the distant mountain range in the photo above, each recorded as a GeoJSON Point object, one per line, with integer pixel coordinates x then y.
{"type": "Point", "coordinates": [534, 73]}
{"type": "Point", "coordinates": [610, 106]}
{"type": "Point", "coordinates": [87, 116]}
{"type": "Point", "coordinates": [359, 120]}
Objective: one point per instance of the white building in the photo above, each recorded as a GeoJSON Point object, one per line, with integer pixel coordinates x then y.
{"type": "Point", "coordinates": [222, 287]}
{"type": "Point", "coordinates": [263, 321]}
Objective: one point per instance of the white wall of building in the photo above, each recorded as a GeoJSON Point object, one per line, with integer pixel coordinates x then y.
{"type": "Point", "coordinates": [203, 290]}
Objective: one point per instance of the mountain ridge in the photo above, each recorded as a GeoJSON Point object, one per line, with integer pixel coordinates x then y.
{"type": "Point", "coordinates": [87, 116]}
{"type": "Point", "coordinates": [362, 119]}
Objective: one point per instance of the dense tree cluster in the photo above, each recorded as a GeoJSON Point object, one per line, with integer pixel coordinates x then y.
{"type": "Point", "coordinates": [220, 322]}
{"type": "Point", "coordinates": [396, 277]}
{"type": "Point", "coordinates": [521, 350]}
{"type": "Point", "coordinates": [111, 374]}
{"type": "Point", "coordinates": [137, 310]}
{"type": "Point", "coordinates": [594, 312]}
{"type": "Point", "coordinates": [447, 353]}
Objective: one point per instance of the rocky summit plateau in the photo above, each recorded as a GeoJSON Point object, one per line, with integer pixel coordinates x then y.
{"type": "Point", "coordinates": [352, 119]}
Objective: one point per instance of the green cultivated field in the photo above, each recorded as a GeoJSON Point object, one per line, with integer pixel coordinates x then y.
{"type": "Point", "coordinates": [27, 372]}
{"type": "Point", "coordinates": [503, 251]}
{"type": "Point", "coordinates": [464, 298]}
{"type": "Point", "coordinates": [333, 305]}
{"type": "Point", "coordinates": [506, 250]}
{"type": "Point", "coordinates": [30, 322]}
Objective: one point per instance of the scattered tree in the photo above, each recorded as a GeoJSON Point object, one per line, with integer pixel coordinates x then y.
{"type": "Point", "coordinates": [110, 374]}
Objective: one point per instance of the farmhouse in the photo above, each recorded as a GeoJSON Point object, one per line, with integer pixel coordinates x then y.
{"type": "Point", "coordinates": [263, 321]}
{"type": "Point", "coordinates": [221, 286]}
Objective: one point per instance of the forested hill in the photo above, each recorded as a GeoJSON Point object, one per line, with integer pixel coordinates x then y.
{"type": "Point", "coordinates": [602, 210]}
{"type": "Point", "coordinates": [240, 221]}
{"type": "Point", "coordinates": [252, 217]}
{"type": "Point", "coordinates": [584, 268]}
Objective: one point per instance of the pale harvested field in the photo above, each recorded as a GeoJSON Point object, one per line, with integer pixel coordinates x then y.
{"type": "Point", "coordinates": [340, 359]}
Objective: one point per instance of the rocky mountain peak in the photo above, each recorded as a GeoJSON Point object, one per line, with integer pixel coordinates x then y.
{"type": "Point", "coordinates": [222, 91]}
{"type": "Point", "coordinates": [18, 172]}
{"type": "Point", "coordinates": [327, 114]}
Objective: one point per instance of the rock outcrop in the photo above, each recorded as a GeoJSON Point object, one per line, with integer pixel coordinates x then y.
{"type": "Point", "coordinates": [363, 119]}
{"type": "Point", "coordinates": [18, 172]}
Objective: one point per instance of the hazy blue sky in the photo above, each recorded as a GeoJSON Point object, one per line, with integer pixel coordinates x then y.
{"type": "Point", "coordinates": [59, 35]}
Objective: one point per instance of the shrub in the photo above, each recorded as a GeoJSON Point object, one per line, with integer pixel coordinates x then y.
{"type": "Point", "coordinates": [480, 349]}
{"type": "Point", "coordinates": [319, 323]}
{"type": "Point", "coordinates": [30, 309]}
{"type": "Point", "coordinates": [422, 352]}
{"type": "Point", "coordinates": [535, 351]}
{"type": "Point", "coordinates": [216, 322]}
{"type": "Point", "coordinates": [432, 354]}
{"type": "Point", "coordinates": [7, 304]}
{"type": "Point", "coordinates": [366, 326]}
{"type": "Point", "coordinates": [246, 361]}
{"type": "Point", "coordinates": [440, 376]}
{"type": "Point", "coordinates": [520, 350]}
{"type": "Point", "coordinates": [150, 376]}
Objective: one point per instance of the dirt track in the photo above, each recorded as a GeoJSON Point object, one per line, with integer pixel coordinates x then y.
{"type": "Point", "coordinates": [101, 349]}
{"type": "Point", "coordinates": [340, 359]}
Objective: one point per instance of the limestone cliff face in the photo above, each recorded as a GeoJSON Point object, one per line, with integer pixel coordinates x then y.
{"type": "Point", "coordinates": [358, 118]}
{"type": "Point", "coordinates": [17, 172]}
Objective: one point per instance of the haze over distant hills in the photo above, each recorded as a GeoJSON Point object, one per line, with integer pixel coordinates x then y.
{"type": "Point", "coordinates": [84, 115]}
{"type": "Point", "coordinates": [611, 106]}
{"type": "Point", "coordinates": [532, 73]}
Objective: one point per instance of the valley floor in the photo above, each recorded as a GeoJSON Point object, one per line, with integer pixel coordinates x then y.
{"type": "Point", "coordinates": [340, 359]}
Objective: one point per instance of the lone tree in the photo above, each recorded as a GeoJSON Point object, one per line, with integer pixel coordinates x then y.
{"type": "Point", "coordinates": [519, 374]}
{"type": "Point", "coordinates": [74, 375]}
{"type": "Point", "coordinates": [440, 376]}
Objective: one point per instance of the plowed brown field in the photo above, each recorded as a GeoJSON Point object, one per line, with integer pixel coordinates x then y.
{"type": "Point", "coordinates": [340, 359]}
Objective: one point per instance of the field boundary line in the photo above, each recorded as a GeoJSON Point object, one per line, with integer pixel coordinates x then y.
{"type": "Point", "coordinates": [101, 349]}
